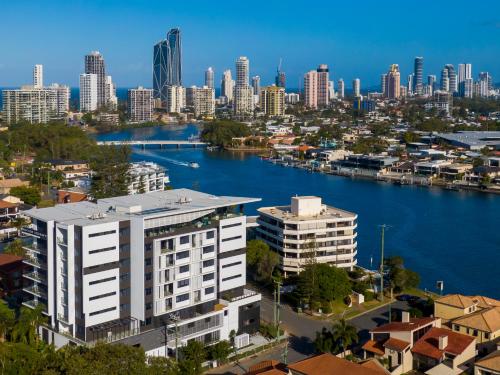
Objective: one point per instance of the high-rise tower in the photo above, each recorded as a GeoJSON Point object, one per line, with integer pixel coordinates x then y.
{"type": "Point", "coordinates": [167, 64]}
{"type": "Point", "coordinates": [418, 81]}
{"type": "Point", "coordinates": [209, 78]}
{"type": "Point", "coordinates": [323, 78]}
{"type": "Point", "coordinates": [94, 64]}
{"type": "Point", "coordinates": [38, 76]}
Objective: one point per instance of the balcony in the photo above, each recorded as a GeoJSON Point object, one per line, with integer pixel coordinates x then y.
{"type": "Point", "coordinates": [35, 290]}
{"type": "Point", "coordinates": [32, 261]}
{"type": "Point", "coordinates": [33, 303]}
{"type": "Point", "coordinates": [36, 276]}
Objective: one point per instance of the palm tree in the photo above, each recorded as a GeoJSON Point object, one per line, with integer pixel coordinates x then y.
{"type": "Point", "coordinates": [6, 320]}
{"type": "Point", "coordinates": [26, 328]}
{"type": "Point", "coordinates": [344, 333]}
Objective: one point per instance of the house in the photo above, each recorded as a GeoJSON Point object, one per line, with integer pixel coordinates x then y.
{"type": "Point", "coordinates": [11, 274]}
{"type": "Point", "coordinates": [489, 365]}
{"type": "Point", "coordinates": [484, 325]}
{"type": "Point", "coordinates": [7, 184]}
{"type": "Point", "coordinates": [64, 165]}
{"type": "Point", "coordinates": [454, 306]}
{"type": "Point", "coordinates": [71, 195]}
{"type": "Point", "coordinates": [431, 168]}
{"type": "Point", "coordinates": [269, 367]}
{"type": "Point", "coordinates": [326, 363]}
{"type": "Point", "coordinates": [8, 211]}
{"type": "Point", "coordinates": [478, 174]}
{"type": "Point", "coordinates": [442, 352]}
{"type": "Point", "coordinates": [370, 162]}
{"type": "Point", "coordinates": [455, 170]}
{"type": "Point", "coordinates": [394, 341]}
{"type": "Point", "coordinates": [405, 167]}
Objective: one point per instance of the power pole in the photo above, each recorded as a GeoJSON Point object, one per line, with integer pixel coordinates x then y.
{"type": "Point", "coordinates": [278, 288]}
{"type": "Point", "coordinates": [383, 226]}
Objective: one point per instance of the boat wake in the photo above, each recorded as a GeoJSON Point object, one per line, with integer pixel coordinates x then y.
{"type": "Point", "coordinates": [168, 160]}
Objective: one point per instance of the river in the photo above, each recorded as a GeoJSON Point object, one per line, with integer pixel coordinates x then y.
{"type": "Point", "coordinates": [443, 235]}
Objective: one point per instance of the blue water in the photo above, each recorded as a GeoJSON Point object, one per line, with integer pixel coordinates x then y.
{"type": "Point", "coordinates": [443, 235]}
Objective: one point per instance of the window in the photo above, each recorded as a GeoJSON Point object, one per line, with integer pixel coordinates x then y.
{"type": "Point", "coordinates": [101, 233]}
{"type": "Point", "coordinates": [182, 283]}
{"type": "Point", "coordinates": [231, 277]}
{"type": "Point", "coordinates": [124, 292]}
{"type": "Point", "coordinates": [103, 311]}
{"type": "Point", "coordinates": [124, 231]}
{"type": "Point", "coordinates": [208, 263]}
{"type": "Point", "coordinates": [148, 247]}
{"type": "Point", "coordinates": [147, 261]}
{"type": "Point", "coordinates": [486, 335]}
{"type": "Point", "coordinates": [210, 234]}
{"type": "Point", "coordinates": [184, 240]}
{"type": "Point", "coordinates": [208, 249]}
{"type": "Point", "coordinates": [124, 262]}
{"type": "Point", "coordinates": [209, 290]}
{"type": "Point", "coordinates": [182, 297]}
{"type": "Point", "coordinates": [149, 291]}
{"type": "Point", "coordinates": [183, 269]}
{"type": "Point", "coordinates": [182, 255]}
{"type": "Point", "coordinates": [124, 248]}
{"type": "Point", "coordinates": [475, 333]}
{"type": "Point", "coordinates": [231, 264]}
{"type": "Point", "coordinates": [124, 277]}
{"type": "Point", "coordinates": [102, 250]}
{"type": "Point", "coordinates": [102, 280]}
{"type": "Point", "coordinates": [208, 276]}
{"type": "Point", "coordinates": [149, 276]}
{"type": "Point", "coordinates": [149, 306]}
{"type": "Point", "coordinates": [231, 225]}
{"type": "Point", "coordinates": [231, 238]}
{"type": "Point", "coordinates": [102, 296]}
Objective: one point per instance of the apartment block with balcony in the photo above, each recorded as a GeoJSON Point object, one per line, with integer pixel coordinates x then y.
{"type": "Point", "coordinates": [146, 177]}
{"type": "Point", "coordinates": [128, 269]}
{"type": "Point", "coordinates": [308, 228]}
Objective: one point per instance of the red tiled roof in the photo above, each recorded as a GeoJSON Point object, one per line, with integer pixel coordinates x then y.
{"type": "Point", "coordinates": [5, 204]}
{"type": "Point", "coordinates": [9, 258]}
{"type": "Point", "coordinates": [329, 364]}
{"type": "Point", "coordinates": [269, 367]}
{"type": "Point", "coordinates": [413, 324]}
{"type": "Point", "coordinates": [428, 345]}
{"type": "Point", "coordinates": [374, 347]}
{"type": "Point", "coordinates": [396, 344]}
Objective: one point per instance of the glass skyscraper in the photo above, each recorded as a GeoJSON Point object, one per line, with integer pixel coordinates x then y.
{"type": "Point", "coordinates": [418, 78]}
{"type": "Point", "coordinates": [167, 68]}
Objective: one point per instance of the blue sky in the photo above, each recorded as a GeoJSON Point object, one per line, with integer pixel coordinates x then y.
{"type": "Point", "coordinates": [355, 38]}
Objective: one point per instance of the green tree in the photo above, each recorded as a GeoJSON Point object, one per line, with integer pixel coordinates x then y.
{"type": "Point", "coordinates": [261, 259]}
{"type": "Point", "coordinates": [221, 132]}
{"type": "Point", "coordinates": [15, 248]}
{"type": "Point", "coordinates": [220, 351]}
{"type": "Point", "coordinates": [162, 366]}
{"type": "Point", "coordinates": [322, 282]}
{"type": "Point", "coordinates": [19, 223]}
{"type": "Point", "coordinates": [7, 318]}
{"type": "Point", "coordinates": [193, 355]}
{"type": "Point", "coordinates": [400, 277]}
{"type": "Point", "coordinates": [345, 334]}
{"type": "Point", "coordinates": [324, 342]}
{"type": "Point", "coordinates": [26, 328]}
{"type": "Point", "coordinates": [28, 194]}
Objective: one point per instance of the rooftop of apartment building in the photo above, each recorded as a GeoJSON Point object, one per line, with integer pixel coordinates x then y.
{"type": "Point", "coordinates": [158, 203]}
{"type": "Point", "coordinates": [145, 167]}
{"type": "Point", "coordinates": [306, 208]}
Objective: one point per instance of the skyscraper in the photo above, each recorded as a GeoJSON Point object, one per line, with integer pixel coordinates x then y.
{"type": "Point", "coordinates": [485, 76]}
{"type": "Point", "coordinates": [410, 83]}
{"type": "Point", "coordinates": [204, 101]}
{"type": "Point", "coordinates": [209, 78]}
{"type": "Point", "coordinates": [88, 92]}
{"type": "Point", "coordinates": [272, 101]}
{"type": "Point", "coordinates": [256, 85]}
{"type": "Point", "coordinates": [323, 78]}
{"type": "Point", "coordinates": [140, 104]}
{"type": "Point", "coordinates": [341, 88]}
{"type": "Point", "coordinates": [356, 87]}
{"type": "Point", "coordinates": [445, 81]}
{"type": "Point", "coordinates": [464, 74]}
{"type": "Point", "coordinates": [94, 64]}
{"type": "Point", "coordinates": [167, 64]}
{"type": "Point", "coordinates": [311, 89]}
{"type": "Point", "coordinates": [393, 82]}
{"type": "Point", "coordinates": [280, 79]}
{"type": "Point", "coordinates": [432, 82]}
{"type": "Point", "coordinates": [418, 81]}
{"type": "Point", "coordinates": [243, 93]}
{"type": "Point", "coordinates": [383, 80]}
{"type": "Point", "coordinates": [452, 78]}
{"type": "Point", "coordinates": [227, 85]}
{"type": "Point", "coordinates": [38, 76]}
{"type": "Point", "coordinates": [110, 88]}
{"type": "Point", "coordinates": [242, 71]}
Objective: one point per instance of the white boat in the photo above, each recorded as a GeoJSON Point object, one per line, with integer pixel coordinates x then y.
{"type": "Point", "coordinates": [193, 164]}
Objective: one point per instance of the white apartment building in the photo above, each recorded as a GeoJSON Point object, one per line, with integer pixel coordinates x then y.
{"type": "Point", "coordinates": [146, 177]}
{"type": "Point", "coordinates": [38, 76]}
{"type": "Point", "coordinates": [88, 92]}
{"type": "Point", "coordinates": [140, 105]}
{"type": "Point", "coordinates": [204, 101]}
{"type": "Point", "coordinates": [110, 93]}
{"type": "Point", "coordinates": [29, 104]}
{"type": "Point", "coordinates": [60, 97]}
{"type": "Point", "coordinates": [307, 228]}
{"type": "Point", "coordinates": [152, 270]}
{"type": "Point", "coordinates": [176, 99]}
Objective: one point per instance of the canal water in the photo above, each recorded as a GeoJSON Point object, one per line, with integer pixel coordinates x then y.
{"type": "Point", "coordinates": [443, 235]}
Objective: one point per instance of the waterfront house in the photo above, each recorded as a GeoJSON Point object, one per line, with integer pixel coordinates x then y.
{"type": "Point", "coordinates": [455, 170]}
{"type": "Point", "coordinates": [431, 168]}
{"type": "Point", "coordinates": [454, 306]}
{"type": "Point", "coordinates": [484, 325]}
{"type": "Point", "coordinates": [481, 173]}
{"type": "Point", "coordinates": [394, 341]}
{"type": "Point", "coordinates": [373, 164]}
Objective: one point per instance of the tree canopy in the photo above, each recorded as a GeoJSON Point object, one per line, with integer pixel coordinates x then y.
{"type": "Point", "coordinates": [221, 132]}
{"type": "Point", "coordinates": [261, 259]}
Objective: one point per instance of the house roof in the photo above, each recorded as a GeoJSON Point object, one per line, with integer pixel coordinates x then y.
{"type": "Point", "coordinates": [329, 364]}
{"type": "Point", "coordinates": [487, 320]}
{"type": "Point", "coordinates": [373, 364]}
{"type": "Point", "coordinates": [486, 302]}
{"type": "Point", "coordinates": [373, 346]}
{"type": "Point", "coordinates": [428, 345]}
{"type": "Point", "coordinates": [491, 361]}
{"type": "Point", "coordinates": [269, 367]}
{"type": "Point", "coordinates": [12, 182]}
{"type": "Point", "coordinates": [396, 344]}
{"type": "Point", "coordinates": [414, 323]}
{"type": "Point", "coordinates": [9, 259]}
{"type": "Point", "coordinates": [5, 204]}
{"type": "Point", "coordinates": [456, 300]}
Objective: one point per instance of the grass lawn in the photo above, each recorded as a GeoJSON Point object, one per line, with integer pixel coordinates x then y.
{"type": "Point", "coordinates": [420, 293]}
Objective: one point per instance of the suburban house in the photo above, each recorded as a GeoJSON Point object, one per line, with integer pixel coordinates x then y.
{"type": "Point", "coordinates": [454, 306]}
{"type": "Point", "coordinates": [11, 274]}
{"type": "Point", "coordinates": [7, 184]}
{"type": "Point", "coordinates": [441, 352]}
{"type": "Point", "coordinates": [489, 365]}
{"type": "Point", "coordinates": [394, 341]}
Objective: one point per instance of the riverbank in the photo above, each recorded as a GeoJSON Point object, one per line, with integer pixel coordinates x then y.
{"type": "Point", "coordinates": [144, 125]}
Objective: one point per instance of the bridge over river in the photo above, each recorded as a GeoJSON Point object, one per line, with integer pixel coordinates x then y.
{"type": "Point", "coordinates": [153, 142]}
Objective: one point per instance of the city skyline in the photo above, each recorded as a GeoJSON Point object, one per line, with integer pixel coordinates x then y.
{"type": "Point", "coordinates": [344, 46]}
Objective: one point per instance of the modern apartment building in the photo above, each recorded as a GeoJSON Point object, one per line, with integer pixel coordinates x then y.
{"type": "Point", "coordinates": [323, 79]}
{"type": "Point", "coordinates": [38, 76]}
{"type": "Point", "coordinates": [88, 92]}
{"type": "Point", "coordinates": [309, 229]}
{"type": "Point", "coordinates": [393, 83]}
{"type": "Point", "coordinates": [140, 104]}
{"type": "Point", "coordinates": [356, 87]}
{"type": "Point", "coordinates": [29, 104]}
{"type": "Point", "coordinates": [418, 71]}
{"type": "Point", "coordinates": [204, 101]}
{"type": "Point", "coordinates": [243, 93]}
{"type": "Point", "coordinates": [146, 177]}
{"type": "Point", "coordinates": [311, 89]}
{"type": "Point", "coordinates": [227, 85]}
{"type": "Point", "coordinates": [176, 99]}
{"type": "Point", "coordinates": [209, 78]}
{"type": "Point", "coordinates": [340, 88]}
{"type": "Point", "coordinates": [152, 270]}
{"type": "Point", "coordinates": [272, 101]}
{"type": "Point", "coordinates": [60, 96]}
{"type": "Point", "coordinates": [94, 64]}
